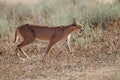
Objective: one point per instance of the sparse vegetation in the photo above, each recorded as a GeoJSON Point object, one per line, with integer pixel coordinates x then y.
{"type": "Point", "coordinates": [96, 51]}
{"type": "Point", "coordinates": [50, 13]}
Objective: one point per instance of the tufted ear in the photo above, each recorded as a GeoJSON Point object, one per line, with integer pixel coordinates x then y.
{"type": "Point", "coordinates": [75, 21]}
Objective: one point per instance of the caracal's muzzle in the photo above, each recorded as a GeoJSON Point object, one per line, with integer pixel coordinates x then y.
{"type": "Point", "coordinates": [82, 29]}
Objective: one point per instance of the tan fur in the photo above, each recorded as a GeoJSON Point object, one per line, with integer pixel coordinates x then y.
{"type": "Point", "coordinates": [51, 34]}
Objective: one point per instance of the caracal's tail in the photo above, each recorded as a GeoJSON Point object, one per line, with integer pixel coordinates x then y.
{"type": "Point", "coordinates": [16, 36]}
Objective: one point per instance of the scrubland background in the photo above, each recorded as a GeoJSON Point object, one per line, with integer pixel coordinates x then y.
{"type": "Point", "coordinates": [96, 51]}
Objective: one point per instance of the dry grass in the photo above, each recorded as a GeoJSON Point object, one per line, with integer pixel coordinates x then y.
{"type": "Point", "coordinates": [96, 51]}
{"type": "Point", "coordinates": [99, 60]}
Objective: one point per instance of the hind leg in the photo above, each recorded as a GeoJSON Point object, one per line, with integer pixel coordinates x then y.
{"type": "Point", "coordinates": [24, 43]}
{"type": "Point", "coordinates": [16, 36]}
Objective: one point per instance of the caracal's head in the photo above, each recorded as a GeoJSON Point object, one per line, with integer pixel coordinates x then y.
{"type": "Point", "coordinates": [77, 26]}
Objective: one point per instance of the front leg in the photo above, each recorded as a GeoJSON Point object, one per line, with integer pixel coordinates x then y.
{"type": "Point", "coordinates": [51, 43]}
{"type": "Point", "coordinates": [68, 44]}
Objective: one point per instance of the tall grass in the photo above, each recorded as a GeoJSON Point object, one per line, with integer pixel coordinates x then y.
{"type": "Point", "coordinates": [55, 12]}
